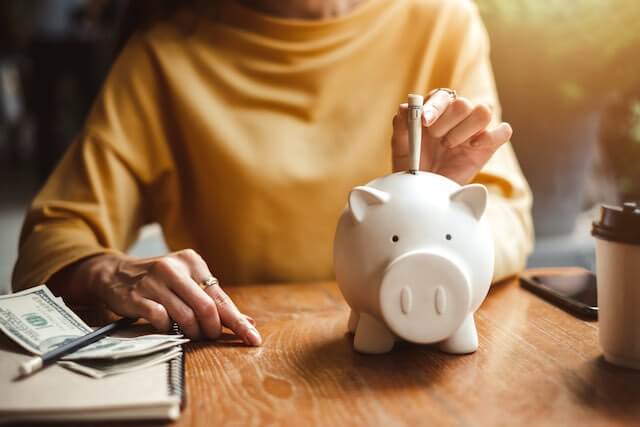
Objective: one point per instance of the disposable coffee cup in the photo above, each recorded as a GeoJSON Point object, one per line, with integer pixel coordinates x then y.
{"type": "Point", "coordinates": [617, 236]}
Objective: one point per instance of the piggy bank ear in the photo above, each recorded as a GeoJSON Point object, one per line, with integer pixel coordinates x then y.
{"type": "Point", "coordinates": [362, 198]}
{"type": "Point", "coordinates": [474, 197]}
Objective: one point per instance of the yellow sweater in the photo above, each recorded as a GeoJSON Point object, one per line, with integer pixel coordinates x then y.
{"type": "Point", "coordinates": [242, 134]}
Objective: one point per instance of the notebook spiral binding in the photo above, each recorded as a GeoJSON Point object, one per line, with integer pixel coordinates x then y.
{"type": "Point", "coordinates": [175, 375]}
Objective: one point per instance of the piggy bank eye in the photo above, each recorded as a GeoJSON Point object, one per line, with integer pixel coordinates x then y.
{"type": "Point", "coordinates": [448, 237]}
{"type": "Point", "coordinates": [395, 238]}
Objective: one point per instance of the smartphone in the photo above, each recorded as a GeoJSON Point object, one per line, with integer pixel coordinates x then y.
{"type": "Point", "coordinates": [575, 291]}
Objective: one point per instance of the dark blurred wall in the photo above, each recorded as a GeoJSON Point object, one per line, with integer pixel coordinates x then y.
{"type": "Point", "coordinates": [60, 51]}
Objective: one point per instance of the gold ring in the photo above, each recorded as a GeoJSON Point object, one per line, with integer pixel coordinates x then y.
{"type": "Point", "coordinates": [208, 282]}
{"type": "Point", "coordinates": [452, 93]}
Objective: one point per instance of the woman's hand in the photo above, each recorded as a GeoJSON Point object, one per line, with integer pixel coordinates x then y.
{"type": "Point", "coordinates": [456, 138]}
{"type": "Point", "coordinates": [163, 288]}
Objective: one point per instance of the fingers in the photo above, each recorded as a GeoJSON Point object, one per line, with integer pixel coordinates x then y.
{"type": "Point", "coordinates": [471, 125]}
{"type": "Point", "coordinates": [233, 318]}
{"type": "Point", "coordinates": [493, 138]}
{"type": "Point", "coordinates": [151, 311]}
{"type": "Point", "coordinates": [464, 161]}
{"type": "Point", "coordinates": [182, 284]}
{"type": "Point", "coordinates": [400, 119]}
{"type": "Point", "coordinates": [456, 112]}
{"type": "Point", "coordinates": [400, 140]}
{"type": "Point", "coordinates": [457, 141]}
{"type": "Point", "coordinates": [156, 289]}
{"type": "Point", "coordinates": [226, 310]}
{"type": "Point", "coordinates": [134, 305]}
{"type": "Point", "coordinates": [167, 287]}
{"type": "Point", "coordinates": [435, 107]}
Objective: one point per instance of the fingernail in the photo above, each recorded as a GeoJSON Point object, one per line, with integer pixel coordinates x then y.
{"type": "Point", "coordinates": [429, 116]}
{"type": "Point", "coordinates": [253, 337]}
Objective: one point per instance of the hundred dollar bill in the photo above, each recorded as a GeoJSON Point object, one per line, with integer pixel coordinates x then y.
{"type": "Point", "coordinates": [38, 321]}
{"type": "Point", "coordinates": [105, 367]}
{"type": "Point", "coordinates": [120, 348]}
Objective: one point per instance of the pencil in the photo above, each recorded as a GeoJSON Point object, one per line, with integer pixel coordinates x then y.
{"type": "Point", "coordinates": [39, 362]}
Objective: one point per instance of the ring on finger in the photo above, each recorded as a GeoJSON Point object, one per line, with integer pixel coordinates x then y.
{"type": "Point", "coordinates": [208, 282]}
{"type": "Point", "coordinates": [452, 93]}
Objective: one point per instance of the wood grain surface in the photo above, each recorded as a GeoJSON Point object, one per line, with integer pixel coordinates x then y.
{"type": "Point", "coordinates": [536, 365]}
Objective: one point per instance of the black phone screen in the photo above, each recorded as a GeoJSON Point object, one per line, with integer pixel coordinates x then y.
{"type": "Point", "coordinates": [578, 287]}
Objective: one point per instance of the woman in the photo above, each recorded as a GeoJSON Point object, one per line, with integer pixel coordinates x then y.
{"type": "Point", "coordinates": [240, 128]}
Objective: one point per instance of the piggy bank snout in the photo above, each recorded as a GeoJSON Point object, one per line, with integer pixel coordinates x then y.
{"type": "Point", "coordinates": [424, 297]}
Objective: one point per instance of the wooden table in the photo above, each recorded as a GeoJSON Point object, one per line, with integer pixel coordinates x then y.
{"type": "Point", "coordinates": [536, 365]}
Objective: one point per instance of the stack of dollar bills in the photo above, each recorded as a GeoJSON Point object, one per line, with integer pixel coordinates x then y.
{"type": "Point", "coordinates": [38, 321]}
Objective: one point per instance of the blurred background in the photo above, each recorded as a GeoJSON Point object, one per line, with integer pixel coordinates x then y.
{"type": "Point", "coordinates": [567, 74]}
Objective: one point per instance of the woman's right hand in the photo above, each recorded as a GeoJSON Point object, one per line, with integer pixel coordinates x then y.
{"type": "Point", "coordinates": [163, 288]}
{"type": "Point", "coordinates": [457, 137]}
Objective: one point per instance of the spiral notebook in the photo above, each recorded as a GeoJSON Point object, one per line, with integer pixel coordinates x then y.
{"type": "Point", "coordinates": [57, 394]}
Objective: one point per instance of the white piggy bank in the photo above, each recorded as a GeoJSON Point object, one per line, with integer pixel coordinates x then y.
{"type": "Point", "coordinates": [414, 260]}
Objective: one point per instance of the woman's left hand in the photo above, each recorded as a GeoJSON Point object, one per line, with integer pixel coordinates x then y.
{"type": "Point", "coordinates": [456, 138]}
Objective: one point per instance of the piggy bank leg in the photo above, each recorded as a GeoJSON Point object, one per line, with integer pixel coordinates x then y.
{"type": "Point", "coordinates": [372, 336]}
{"type": "Point", "coordinates": [464, 340]}
{"type": "Point", "coordinates": [353, 321]}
